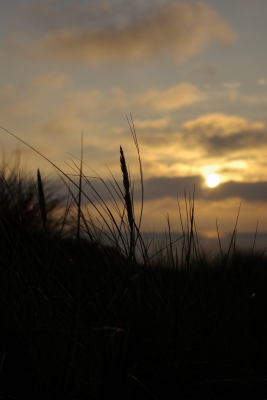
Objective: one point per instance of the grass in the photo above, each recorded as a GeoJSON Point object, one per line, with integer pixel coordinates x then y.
{"type": "Point", "coordinates": [84, 317]}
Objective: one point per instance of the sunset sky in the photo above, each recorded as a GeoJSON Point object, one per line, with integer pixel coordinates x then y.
{"type": "Point", "coordinates": [192, 74]}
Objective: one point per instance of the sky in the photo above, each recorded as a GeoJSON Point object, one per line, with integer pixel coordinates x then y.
{"type": "Point", "coordinates": [191, 73]}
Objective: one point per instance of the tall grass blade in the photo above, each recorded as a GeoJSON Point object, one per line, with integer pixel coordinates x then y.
{"type": "Point", "coordinates": [218, 234]}
{"type": "Point", "coordinates": [80, 192]}
{"type": "Point", "coordinates": [233, 236]}
{"type": "Point", "coordinates": [254, 241]}
{"type": "Point", "coordinates": [191, 225]}
{"type": "Point", "coordinates": [42, 201]}
{"type": "Point", "coordinates": [132, 127]}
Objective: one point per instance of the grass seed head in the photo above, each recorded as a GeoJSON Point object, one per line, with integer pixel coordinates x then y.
{"type": "Point", "coordinates": [126, 185]}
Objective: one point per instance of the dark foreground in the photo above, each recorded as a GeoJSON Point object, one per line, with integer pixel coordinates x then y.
{"type": "Point", "coordinates": [81, 322]}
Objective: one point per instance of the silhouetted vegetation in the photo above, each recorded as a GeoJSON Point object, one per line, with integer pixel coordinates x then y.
{"type": "Point", "coordinates": [81, 319]}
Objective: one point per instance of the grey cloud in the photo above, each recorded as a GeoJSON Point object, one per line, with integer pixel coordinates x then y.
{"type": "Point", "coordinates": [219, 145]}
{"type": "Point", "coordinates": [231, 85]}
{"type": "Point", "coordinates": [155, 139]}
{"type": "Point", "coordinates": [98, 14]}
{"type": "Point", "coordinates": [155, 136]}
{"type": "Point", "coordinates": [156, 188]}
{"type": "Point", "coordinates": [51, 14]}
{"type": "Point", "coordinates": [172, 187]}
{"type": "Point", "coordinates": [179, 29]}
{"type": "Point", "coordinates": [159, 188]}
{"type": "Point", "coordinates": [204, 69]}
{"type": "Point", "coordinates": [249, 191]}
{"type": "Point", "coordinates": [219, 134]}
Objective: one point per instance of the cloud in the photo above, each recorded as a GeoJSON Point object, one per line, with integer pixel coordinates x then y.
{"type": "Point", "coordinates": [204, 69]}
{"type": "Point", "coordinates": [237, 142]}
{"type": "Point", "coordinates": [94, 104]}
{"type": "Point", "coordinates": [213, 143]}
{"type": "Point", "coordinates": [49, 81]}
{"type": "Point", "coordinates": [219, 134]}
{"type": "Point", "coordinates": [20, 100]}
{"type": "Point", "coordinates": [220, 124]}
{"type": "Point", "coordinates": [175, 97]}
{"type": "Point", "coordinates": [178, 30]}
{"type": "Point", "coordinates": [248, 191]}
{"type": "Point", "coordinates": [162, 187]}
{"type": "Point", "coordinates": [69, 109]}
{"type": "Point", "coordinates": [54, 13]}
{"type": "Point", "coordinates": [156, 188]}
{"type": "Point", "coordinates": [152, 124]}
{"type": "Point", "coordinates": [77, 107]}
{"type": "Point", "coordinates": [261, 82]}
{"type": "Point", "coordinates": [253, 100]}
{"type": "Point", "coordinates": [231, 85]}
{"type": "Point", "coordinates": [234, 96]}
{"type": "Point", "coordinates": [153, 133]}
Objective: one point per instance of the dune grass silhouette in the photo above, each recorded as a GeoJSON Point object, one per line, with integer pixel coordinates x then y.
{"type": "Point", "coordinates": [85, 318]}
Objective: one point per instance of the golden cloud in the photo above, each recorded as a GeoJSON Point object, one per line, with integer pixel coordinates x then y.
{"type": "Point", "coordinates": [49, 81]}
{"type": "Point", "coordinates": [19, 100]}
{"type": "Point", "coordinates": [220, 124]}
{"type": "Point", "coordinates": [154, 124]}
{"type": "Point", "coordinates": [177, 96]}
{"type": "Point", "coordinates": [180, 30]}
{"type": "Point", "coordinates": [220, 135]}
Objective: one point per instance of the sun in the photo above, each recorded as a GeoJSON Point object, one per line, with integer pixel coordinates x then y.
{"type": "Point", "coordinates": [213, 180]}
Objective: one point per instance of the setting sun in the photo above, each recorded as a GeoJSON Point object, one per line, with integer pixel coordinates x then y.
{"type": "Point", "coordinates": [213, 180]}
